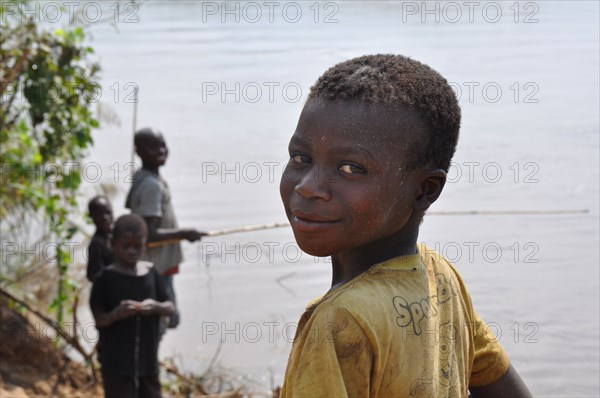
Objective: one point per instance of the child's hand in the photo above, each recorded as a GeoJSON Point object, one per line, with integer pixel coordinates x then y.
{"type": "Point", "coordinates": [148, 307]}
{"type": "Point", "coordinates": [192, 235]}
{"type": "Point", "coordinates": [153, 307]}
{"type": "Point", "coordinates": [126, 308]}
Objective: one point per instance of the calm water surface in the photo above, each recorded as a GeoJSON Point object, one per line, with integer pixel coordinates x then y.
{"type": "Point", "coordinates": [228, 95]}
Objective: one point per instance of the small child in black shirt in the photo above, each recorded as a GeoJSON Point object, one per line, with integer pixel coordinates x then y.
{"type": "Point", "coordinates": [127, 300]}
{"type": "Point", "coordinates": [100, 254]}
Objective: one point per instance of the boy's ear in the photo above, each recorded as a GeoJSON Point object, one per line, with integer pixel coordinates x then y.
{"type": "Point", "coordinates": [432, 185]}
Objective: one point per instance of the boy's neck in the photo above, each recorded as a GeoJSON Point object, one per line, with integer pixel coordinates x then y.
{"type": "Point", "coordinates": [101, 232]}
{"type": "Point", "coordinates": [151, 168]}
{"type": "Point", "coordinates": [126, 269]}
{"type": "Point", "coordinates": [348, 265]}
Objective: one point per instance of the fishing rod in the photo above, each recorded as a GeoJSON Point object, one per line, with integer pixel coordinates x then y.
{"type": "Point", "coordinates": [251, 228]}
{"type": "Point", "coordinates": [135, 108]}
{"type": "Point", "coordinates": [226, 231]}
{"type": "Point", "coordinates": [507, 212]}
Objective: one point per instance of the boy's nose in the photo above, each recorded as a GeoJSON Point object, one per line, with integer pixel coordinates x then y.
{"type": "Point", "coordinates": [312, 184]}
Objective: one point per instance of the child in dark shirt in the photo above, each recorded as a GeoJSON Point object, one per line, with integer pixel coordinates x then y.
{"type": "Point", "coordinates": [127, 300]}
{"type": "Point", "coordinates": [100, 253]}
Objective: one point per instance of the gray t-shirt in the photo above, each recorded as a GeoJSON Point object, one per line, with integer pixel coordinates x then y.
{"type": "Point", "coordinates": [149, 196]}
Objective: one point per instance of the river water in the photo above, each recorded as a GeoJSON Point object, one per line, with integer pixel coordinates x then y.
{"type": "Point", "coordinates": [226, 83]}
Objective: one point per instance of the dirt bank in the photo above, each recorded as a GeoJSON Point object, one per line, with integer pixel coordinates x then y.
{"type": "Point", "coordinates": [32, 365]}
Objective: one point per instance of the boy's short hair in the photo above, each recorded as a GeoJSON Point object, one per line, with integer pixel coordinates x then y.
{"type": "Point", "coordinates": [95, 203]}
{"type": "Point", "coordinates": [129, 223]}
{"type": "Point", "coordinates": [398, 81]}
{"type": "Point", "coordinates": [142, 134]}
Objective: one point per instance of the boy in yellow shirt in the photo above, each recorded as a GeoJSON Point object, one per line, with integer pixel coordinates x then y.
{"type": "Point", "coordinates": [368, 157]}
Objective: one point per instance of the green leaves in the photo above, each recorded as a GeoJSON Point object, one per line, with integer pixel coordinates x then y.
{"type": "Point", "coordinates": [49, 85]}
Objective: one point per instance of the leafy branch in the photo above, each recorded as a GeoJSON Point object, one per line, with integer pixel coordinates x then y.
{"type": "Point", "coordinates": [48, 85]}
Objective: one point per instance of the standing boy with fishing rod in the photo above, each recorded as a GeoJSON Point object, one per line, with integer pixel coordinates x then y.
{"type": "Point", "coordinates": [127, 300]}
{"type": "Point", "coordinates": [367, 159]}
{"type": "Point", "coordinates": [150, 197]}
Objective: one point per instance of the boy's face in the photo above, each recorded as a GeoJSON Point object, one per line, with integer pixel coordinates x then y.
{"type": "Point", "coordinates": [153, 150]}
{"type": "Point", "coordinates": [349, 181]}
{"type": "Point", "coordinates": [129, 247]}
{"type": "Point", "coordinates": [102, 216]}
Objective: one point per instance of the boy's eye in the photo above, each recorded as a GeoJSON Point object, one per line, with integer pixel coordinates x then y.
{"type": "Point", "coordinates": [300, 158]}
{"type": "Point", "coordinates": [350, 168]}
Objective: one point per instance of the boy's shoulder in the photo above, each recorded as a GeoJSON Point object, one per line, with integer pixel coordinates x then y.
{"type": "Point", "coordinates": [445, 273]}
{"type": "Point", "coordinates": [101, 276]}
{"type": "Point", "coordinates": [143, 176]}
{"type": "Point", "coordinates": [145, 185]}
{"type": "Point", "coordinates": [424, 276]}
{"type": "Point", "coordinates": [370, 294]}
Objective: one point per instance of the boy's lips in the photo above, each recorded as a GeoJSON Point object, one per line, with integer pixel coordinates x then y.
{"type": "Point", "coordinates": [311, 221]}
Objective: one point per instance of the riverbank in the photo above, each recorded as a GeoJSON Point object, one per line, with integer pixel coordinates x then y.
{"type": "Point", "coordinates": [34, 364]}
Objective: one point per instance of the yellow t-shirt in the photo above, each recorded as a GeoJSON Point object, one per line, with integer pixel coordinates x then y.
{"type": "Point", "coordinates": [404, 328]}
